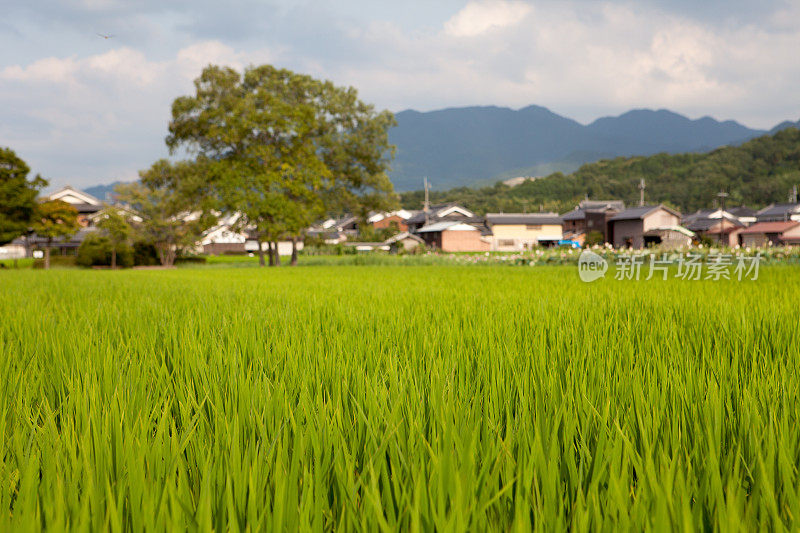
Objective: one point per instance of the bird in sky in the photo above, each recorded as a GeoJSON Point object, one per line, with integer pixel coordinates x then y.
{"type": "Point", "coordinates": [105, 36]}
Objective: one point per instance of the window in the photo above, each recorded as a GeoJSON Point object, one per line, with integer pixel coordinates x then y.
{"type": "Point", "coordinates": [507, 242]}
{"type": "Point", "coordinates": [533, 227]}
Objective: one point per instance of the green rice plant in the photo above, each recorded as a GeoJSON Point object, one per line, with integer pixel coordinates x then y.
{"type": "Point", "coordinates": [397, 398]}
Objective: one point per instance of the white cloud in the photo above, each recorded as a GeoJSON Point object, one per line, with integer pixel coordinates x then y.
{"type": "Point", "coordinates": [103, 117]}
{"type": "Point", "coordinates": [479, 17]}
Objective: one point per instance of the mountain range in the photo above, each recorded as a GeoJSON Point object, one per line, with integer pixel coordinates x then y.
{"type": "Point", "coordinates": [471, 146]}
{"type": "Point", "coordinates": [475, 146]}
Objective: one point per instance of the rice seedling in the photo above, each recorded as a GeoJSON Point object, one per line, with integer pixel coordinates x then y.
{"type": "Point", "coordinates": [397, 398]}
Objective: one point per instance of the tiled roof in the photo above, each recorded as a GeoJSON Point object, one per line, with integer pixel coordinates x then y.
{"type": "Point", "coordinates": [523, 218]}
{"type": "Point", "coordinates": [769, 227]}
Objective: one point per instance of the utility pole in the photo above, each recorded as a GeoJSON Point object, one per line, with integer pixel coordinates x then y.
{"type": "Point", "coordinates": [793, 195]}
{"type": "Point", "coordinates": [721, 195]}
{"type": "Point", "coordinates": [641, 192]}
{"type": "Point", "coordinates": [426, 207]}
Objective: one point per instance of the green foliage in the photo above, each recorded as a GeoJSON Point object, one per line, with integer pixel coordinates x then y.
{"type": "Point", "coordinates": [144, 253]}
{"type": "Point", "coordinates": [368, 233]}
{"type": "Point", "coordinates": [58, 261]}
{"type": "Point", "coordinates": [97, 250]}
{"type": "Point", "coordinates": [757, 173]}
{"type": "Point", "coordinates": [55, 219]}
{"type": "Point", "coordinates": [362, 398]}
{"type": "Point", "coordinates": [593, 237]}
{"type": "Point", "coordinates": [115, 225]}
{"type": "Point", "coordinates": [17, 196]}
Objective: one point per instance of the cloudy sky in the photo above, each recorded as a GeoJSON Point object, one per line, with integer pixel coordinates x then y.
{"type": "Point", "coordinates": [86, 110]}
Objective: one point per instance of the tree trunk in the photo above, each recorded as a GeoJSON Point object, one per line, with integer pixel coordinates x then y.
{"type": "Point", "coordinates": [277, 255]}
{"type": "Point", "coordinates": [261, 261]}
{"type": "Point", "coordinates": [47, 256]}
{"type": "Point", "coordinates": [293, 262]}
{"type": "Point", "coordinates": [114, 257]}
{"type": "Point", "coordinates": [166, 255]}
{"type": "Point", "coordinates": [271, 254]}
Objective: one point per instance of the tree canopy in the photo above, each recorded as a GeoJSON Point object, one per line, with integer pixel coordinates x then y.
{"type": "Point", "coordinates": [54, 219]}
{"type": "Point", "coordinates": [17, 196]}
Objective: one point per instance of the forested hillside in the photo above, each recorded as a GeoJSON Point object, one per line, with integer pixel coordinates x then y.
{"type": "Point", "coordinates": [756, 173]}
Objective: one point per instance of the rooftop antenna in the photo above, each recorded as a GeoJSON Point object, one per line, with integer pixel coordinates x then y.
{"type": "Point", "coordinates": [641, 192]}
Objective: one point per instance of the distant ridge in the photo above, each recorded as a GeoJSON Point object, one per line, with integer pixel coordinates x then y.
{"type": "Point", "coordinates": [478, 145]}
{"type": "Point", "coordinates": [102, 192]}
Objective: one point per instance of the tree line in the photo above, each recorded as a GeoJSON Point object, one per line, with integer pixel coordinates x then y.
{"type": "Point", "coordinates": [271, 149]}
{"type": "Point", "coordinates": [757, 173]}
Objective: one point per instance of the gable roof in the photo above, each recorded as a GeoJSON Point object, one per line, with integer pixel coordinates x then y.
{"type": "Point", "coordinates": [440, 211]}
{"type": "Point", "coordinates": [401, 237]}
{"type": "Point", "coordinates": [523, 218]}
{"type": "Point", "coordinates": [75, 197]}
{"type": "Point", "coordinates": [593, 206]}
{"type": "Point", "coordinates": [634, 213]}
{"type": "Point", "coordinates": [769, 227]}
{"type": "Point", "coordinates": [706, 223]}
{"type": "Point", "coordinates": [454, 225]}
{"type": "Point", "coordinates": [742, 211]}
{"type": "Point", "coordinates": [601, 205]}
{"type": "Point", "coordinates": [575, 214]}
{"type": "Point", "coordinates": [778, 212]}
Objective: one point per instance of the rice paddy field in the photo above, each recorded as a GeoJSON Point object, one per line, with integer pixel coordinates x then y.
{"type": "Point", "coordinates": [410, 398]}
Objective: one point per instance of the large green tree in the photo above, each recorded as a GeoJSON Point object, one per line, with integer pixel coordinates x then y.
{"type": "Point", "coordinates": [17, 196]}
{"type": "Point", "coordinates": [171, 201]}
{"type": "Point", "coordinates": [54, 219]}
{"type": "Point", "coordinates": [282, 149]}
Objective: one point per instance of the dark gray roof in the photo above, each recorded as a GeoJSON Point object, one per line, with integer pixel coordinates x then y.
{"type": "Point", "coordinates": [600, 205]}
{"type": "Point", "coordinates": [777, 212]}
{"type": "Point", "coordinates": [522, 218]}
{"type": "Point", "coordinates": [593, 206]}
{"type": "Point", "coordinates": [634, 213]}
{"type": "Point", "coordinates": [87, 208]}
{"type": "Point", "coordinates": [702, 223]}
{"type": "Point", "coordinates": [742, 211]}
{"type": "Point", "coordinates": [575, 214]}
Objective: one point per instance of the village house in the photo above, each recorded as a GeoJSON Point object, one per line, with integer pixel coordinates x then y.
{"type": "Point", "coordinates": [590, 216]}
{"type": "Point", "coordinates": [226, 238]}
{"type": "Point", "coordinates": [88, 208]}
{"type": "Point", "coordinates": [84, 203]}
{"type": "Point", "coordinates": [523, 231]}
{"type": "Point", "coordinates": [455, 236]}
{"type": "Point", "coordinates": [770, 233]}
{"type": "Point", "coordinates": [648, 225]}
{"type": "Point", "coordinates": [718, 225]}
{"type": "Point", "coordinates": [404, 241]}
